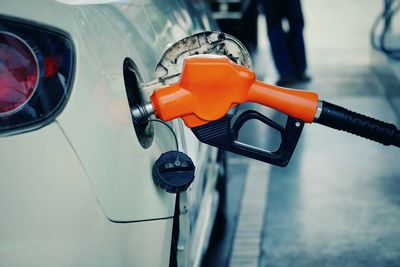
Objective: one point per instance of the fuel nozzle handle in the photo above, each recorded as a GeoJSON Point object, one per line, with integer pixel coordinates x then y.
{"type": "Point", "coordinates": [210, 86]}
{"type": "Point", "coordinates": [352, 122]}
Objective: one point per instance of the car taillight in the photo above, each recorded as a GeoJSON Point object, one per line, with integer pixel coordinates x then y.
{"type": "Point", "coordinates": [19, 73]}
{"type": "Point", "coordinates": [36, 69]}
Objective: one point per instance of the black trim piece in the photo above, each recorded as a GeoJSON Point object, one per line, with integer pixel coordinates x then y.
{"type": "Point", "coordinates": [139, 221]}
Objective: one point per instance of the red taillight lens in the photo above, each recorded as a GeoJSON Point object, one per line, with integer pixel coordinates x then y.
{"type": "Point", "coordinates": [19, 73]}
{"type": "Point", "coordinates": [36, 71]}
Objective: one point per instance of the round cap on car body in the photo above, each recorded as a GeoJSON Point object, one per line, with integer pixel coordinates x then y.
{"type": "Point", "coordinates": [173, 171]}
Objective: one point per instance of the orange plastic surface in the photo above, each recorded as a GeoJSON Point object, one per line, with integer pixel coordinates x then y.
{"type": "Point", "coordinates": [210, 85]}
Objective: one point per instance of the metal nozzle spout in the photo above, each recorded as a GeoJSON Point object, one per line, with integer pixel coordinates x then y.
{"type": "Point", "coordinates": [142, 112]}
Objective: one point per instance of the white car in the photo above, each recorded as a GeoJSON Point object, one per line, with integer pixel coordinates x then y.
{"type": "Point", "coordinates": [76, 186]}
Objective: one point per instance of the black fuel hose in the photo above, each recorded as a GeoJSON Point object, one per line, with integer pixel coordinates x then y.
{"type": "Point", "coordinates": [352, 122]}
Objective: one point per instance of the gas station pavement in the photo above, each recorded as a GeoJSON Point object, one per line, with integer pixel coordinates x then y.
{"type": "Point", "coordinates": [338, 201]}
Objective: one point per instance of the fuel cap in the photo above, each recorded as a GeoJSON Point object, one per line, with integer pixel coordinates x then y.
{"type": "Point", "coordinates": [173, 171]}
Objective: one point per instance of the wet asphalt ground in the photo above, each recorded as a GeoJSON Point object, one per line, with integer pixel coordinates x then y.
{"type": "Point", "coordinates": [338, 201]}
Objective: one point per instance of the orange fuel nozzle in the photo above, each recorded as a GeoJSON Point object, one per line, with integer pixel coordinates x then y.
{"type": "Point", "coordinates": [210, 85]}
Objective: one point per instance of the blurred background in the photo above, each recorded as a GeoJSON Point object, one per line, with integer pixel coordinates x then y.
{"type": "Point", "coordinates": [338, 201]}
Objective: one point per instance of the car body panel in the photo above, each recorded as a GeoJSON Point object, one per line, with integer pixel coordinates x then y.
{"type": "Point", "coordinates": [50, 216]}
{"type": "Point", "coordinates": [108, 148]}
{"type": "Point", "coordinates": [79, 191]}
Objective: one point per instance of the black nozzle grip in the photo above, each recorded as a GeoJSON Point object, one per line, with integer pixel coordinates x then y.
{"type": "Point", "coordinates": [223, 135]}
{"type": "Point", "coordinates": [352, 122]}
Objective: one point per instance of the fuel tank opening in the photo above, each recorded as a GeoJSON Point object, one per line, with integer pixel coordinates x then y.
{"type": "Point", "coordinates": [144, 129]}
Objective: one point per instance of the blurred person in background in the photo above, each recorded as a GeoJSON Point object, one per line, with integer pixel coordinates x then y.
{"type": "Point", "coordinates": [287, 43]}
